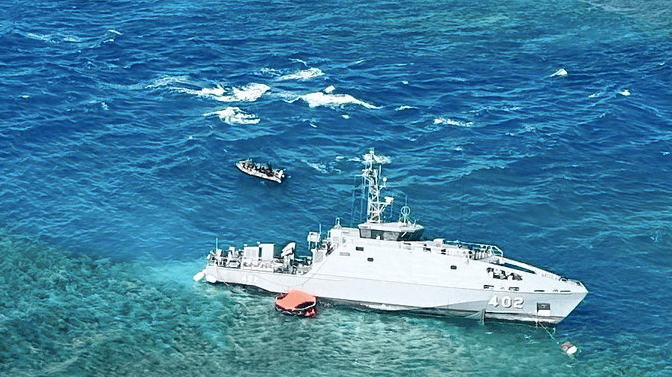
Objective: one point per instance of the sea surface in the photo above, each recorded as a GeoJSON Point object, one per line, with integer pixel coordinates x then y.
{"type": "Point", "coordinates": [544, 127]}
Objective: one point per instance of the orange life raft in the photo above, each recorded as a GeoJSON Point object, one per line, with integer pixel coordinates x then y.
{"type": "Point", "coordinates": [296, 302]}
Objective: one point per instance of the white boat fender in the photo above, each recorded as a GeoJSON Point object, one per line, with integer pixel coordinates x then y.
{"type": "Point", "coordinates": [199, 276]}
{"type": "Point", "coordinates": [210, 279]}
{"type": "Point", "coordinates": [569, 348]}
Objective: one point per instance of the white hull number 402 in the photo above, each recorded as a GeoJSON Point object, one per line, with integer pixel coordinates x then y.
{"type": "Point", "coordinates": [507, 302]}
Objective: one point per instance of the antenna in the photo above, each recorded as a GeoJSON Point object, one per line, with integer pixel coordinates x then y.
{"type": "Point", "coordinates": [372, 174]}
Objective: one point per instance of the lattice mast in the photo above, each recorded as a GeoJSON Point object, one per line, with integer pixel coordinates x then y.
{"type": "Point", "coordinates": [372, 174]}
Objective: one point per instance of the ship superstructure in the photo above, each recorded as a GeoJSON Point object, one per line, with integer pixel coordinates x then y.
{"type": "Point", "coordinates": [389, 266]}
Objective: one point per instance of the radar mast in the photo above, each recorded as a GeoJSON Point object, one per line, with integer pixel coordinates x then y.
{"type": "Point", "coordinates": [372, 174]}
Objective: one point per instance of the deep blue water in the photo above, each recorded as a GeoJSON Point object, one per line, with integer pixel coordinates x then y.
{"type": "Point", "coordinates": [544, 127]}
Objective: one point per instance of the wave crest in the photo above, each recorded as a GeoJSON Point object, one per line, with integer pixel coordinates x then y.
{"type": "Point", "coordinates": [234, 115]}
{"type": "Point", "coordinates": [327, 98]}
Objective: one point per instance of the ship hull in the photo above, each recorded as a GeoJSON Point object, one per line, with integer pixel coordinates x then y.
{"type": "Point", "coordinates": [409, 297]}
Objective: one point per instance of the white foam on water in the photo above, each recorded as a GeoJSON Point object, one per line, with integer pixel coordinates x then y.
{"type": "Point", "coordinates": [453, 122]}
{"type": "Point", "coordinates": [167, 81]}
{"type": "Point", "coordinates": [234, 115]}
{"type": "Point", "coordinates": [322, 168]}
{"type": "Point", "coordinates": [248, 93]}
{"type": "Point", "coordinates": [298, 61]}
{"type": "Point", "coordinates": [381, 159]}
{"type": "Point", "coordinates": [217, 91]}
{"type": "Point", "coordinates": [39, 37]}
{"type": "Point", "coordinates": [269, 72]}
{"type": "Point", "coordinates": [305, 74]}
{"type": "Point", "coordinates": [287, 96]}
{"type": "Point", "coordinates": [525, 129]}
{"type": "Point", "coordinates": [327, 98]}
{"type": "Point", "coordinates": [559, 73]}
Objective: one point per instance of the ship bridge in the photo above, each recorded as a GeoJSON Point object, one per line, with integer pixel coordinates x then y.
{"type": "Point", "coordinates": [399, 231]}
{"type": "Point", "coordinates": [375, 227]}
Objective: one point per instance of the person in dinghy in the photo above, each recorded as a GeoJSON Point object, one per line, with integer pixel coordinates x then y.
{"type": "Point", "coordinates": [263, 171]}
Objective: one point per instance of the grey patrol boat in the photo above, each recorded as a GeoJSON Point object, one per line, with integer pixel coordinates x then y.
{"type": "Point", "coordinates": [389, 266]}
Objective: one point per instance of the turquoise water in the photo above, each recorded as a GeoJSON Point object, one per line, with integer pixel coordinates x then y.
{"type": "Point", "coordinates": [542, 127]}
